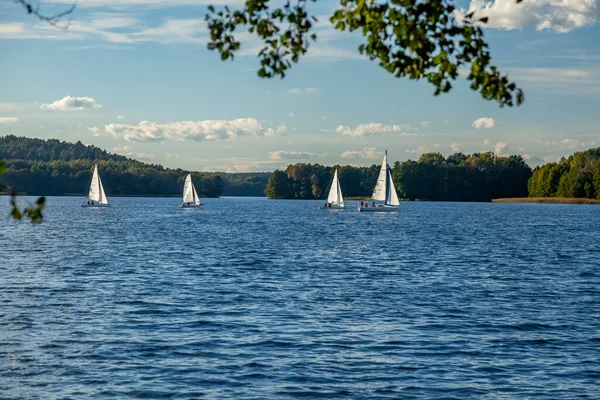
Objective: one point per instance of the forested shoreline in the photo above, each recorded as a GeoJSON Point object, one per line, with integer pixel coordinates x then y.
{"type": "Point", "coordinates": [577, 176]}
{"type": "Point", "coordinates": [54, 168]}
{"type": "Point", "coordinates": [458, 177]}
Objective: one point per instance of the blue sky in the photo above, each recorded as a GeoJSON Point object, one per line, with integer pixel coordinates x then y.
{"type": "Point", "coordinates": [134, 77]}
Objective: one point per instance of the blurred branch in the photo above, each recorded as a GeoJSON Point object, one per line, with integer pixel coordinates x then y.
{"type": "Point", "coordinates": [53, 20]}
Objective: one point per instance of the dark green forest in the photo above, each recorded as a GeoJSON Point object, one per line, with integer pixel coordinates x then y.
{"type": "Point", "coordinates": [51, 167]}
{"type": "Point", "coordinates": [245, 183]}
{"type": "Point", "coordinates": [576, 176]}
{"type": "Point", "coordinates": [459, 177]}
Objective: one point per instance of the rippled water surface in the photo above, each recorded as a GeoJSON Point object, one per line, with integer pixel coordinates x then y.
{"type": "Point", "coordinates": [255, 298]}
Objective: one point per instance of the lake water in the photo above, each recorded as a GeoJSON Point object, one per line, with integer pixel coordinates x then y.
{"type": "Point", "coordinates": [254, 299]}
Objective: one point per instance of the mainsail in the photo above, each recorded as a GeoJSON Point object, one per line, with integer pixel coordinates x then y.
{"type": "Point", "coordinates": [96, 190]}
{"type": "Point", "coordinates": [335, 192]}
{"type": "Point", "coordinates": [380, 192]}
{"type": "Point", "coordinates": [188, 192]}
{"type": "Point", "coordinates": [384, 189]}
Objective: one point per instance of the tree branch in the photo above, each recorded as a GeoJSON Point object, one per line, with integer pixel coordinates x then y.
{"type": "Point", "coordinates": [53, 20]}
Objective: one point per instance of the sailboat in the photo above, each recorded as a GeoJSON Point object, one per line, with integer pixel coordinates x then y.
{"type": "Point", "coordinates": [190, 197]}
{"type": "Point", "coordinates": [384, 191]}
{"type": "Point", "coordinates": [335, 200]}
{"type": "Point", "coordinates": [96, 196]}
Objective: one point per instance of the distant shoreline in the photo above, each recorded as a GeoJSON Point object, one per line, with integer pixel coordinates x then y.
{"type": "Point", "coordinates": [111, 195]}
{"type": "Point", "coordinates": [548, 200]}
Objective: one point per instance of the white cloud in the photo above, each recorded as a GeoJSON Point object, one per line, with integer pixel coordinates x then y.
{"type": "Point", "coordinates": [426, 124]}
{"type": "Point", "coordinates": [292, 114]}
{"type": "Point", "coordinates": [366, 152]}
{"type": "Point", "coordinates": [455, 147]}
{"type": "Point", "coordinates": [484, 123]}
{"type": "Point", "coordinates": [298, 91]}
{"type": "Point", "coordinates": [418, 150]}
{"type": "Point", "coordinates": [486, 141]}
{"type": "Point", "coordinates": [128, 151]}
{"type": "Point", "coordinates": [558, 15]}
{"type": "Point", "coordinates": [291, 155]}
{"type": "Point", "coordinates": [323, 117]}
{"type": "Point", "coordinates": [372, 129]}
{"type": "Point", "coordinates": [120, 117]}
{"type": "Point", "coordinates": [147, 131]}
{"type": "Point", "coordinates": [95, 130]}
{"type": "Point", "coordinates": [279, 131]}
{"type": "Point", "coordinates": [500, 148]}
{"type": "Point", "coordinates": [71, 103]}
{"type": "Point", "coordinates": [572, 143]}
{"type": "Point", "coordinates": [8, 120]}
{"type": "Point", "coordinates": [171, 156]}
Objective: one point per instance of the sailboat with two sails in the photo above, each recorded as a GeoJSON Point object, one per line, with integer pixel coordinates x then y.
{"type": "Point", "coordinates": [190, 197]}
{"type": "Point", "coordinates": [335, 200]}
{"type": "Point", "coordinates": [384, 191]}
{"type": "Point", "coordinates": [96, 196]}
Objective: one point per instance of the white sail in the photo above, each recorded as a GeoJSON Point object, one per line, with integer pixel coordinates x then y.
{"type": "Point", "coordinates": [96, 190]}
{"type": "Point", "coordinates": [392, 195]}
{"type": "Point", "coordinates": [94, 194]}
{"type": "Point", "coordinates": [335, 192]}
{"type": "Point", "coordinates": [103, 199]}
{"type": "Point", "coordinates": [380, 191]}
{"type": "Point", "coordinates": [188, 192]}
{"type": "Point", "coordinates": [196, 198]}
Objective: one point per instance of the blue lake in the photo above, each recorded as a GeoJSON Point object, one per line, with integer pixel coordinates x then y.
{"type": "Point", "coordinates": [251, 298]}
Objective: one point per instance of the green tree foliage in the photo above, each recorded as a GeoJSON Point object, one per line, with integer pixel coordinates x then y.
{"type": "Point", "coordinates": [459, 177]}
{"type": "Point", "coordinates": [52, 167]}
{"type": "Point", "coordinates": [415, 39]}
{"type": "Point", "coordinates": [576, 176]}
{"type": "Point", "coordinates": [31, 211]}
{"type": "Point", "coordinates": [245, 183]}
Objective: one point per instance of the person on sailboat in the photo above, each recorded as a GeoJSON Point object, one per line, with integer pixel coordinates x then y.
{"type": "Point", "coordinates": [361, 203]}
{"type": "Point", "coordinates": [373, 204]}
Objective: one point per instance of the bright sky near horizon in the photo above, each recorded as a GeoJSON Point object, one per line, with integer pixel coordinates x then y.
{"type": "Point", "coordinates": [134, 77]}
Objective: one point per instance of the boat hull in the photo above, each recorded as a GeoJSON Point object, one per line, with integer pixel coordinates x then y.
{"type": "Point", "coordinates": [379, 208]}
{"type": "Point", "coordinates": [190, 206]}
{"type": "Point", "coordinates": [333, 207]}
{"type": "Point", "coordinates": [95, 205]}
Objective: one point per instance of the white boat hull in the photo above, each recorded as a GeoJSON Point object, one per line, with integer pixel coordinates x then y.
{"type": "Point", "coordinates": [333, 207]}
{"type": "Point", "coordinates": [95, 205]}
{"type": "Point", "coordinates": [379, 208]}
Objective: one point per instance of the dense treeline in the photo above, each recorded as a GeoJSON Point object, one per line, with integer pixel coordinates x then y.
{"type": "Point", "coordinates": [462, 177]}
{"type": "Point", "coordinates": [459, 177]}
{"type": "Point", "coordinates": [245, 183]}
{"type": "Point", "coordinates": [312, 181]}
{"type": "Point", "coordinates": [51, 167]}
{"type": "Point", "coordinates": [576, 176]}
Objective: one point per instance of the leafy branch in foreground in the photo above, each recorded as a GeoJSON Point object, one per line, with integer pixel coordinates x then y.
{"type": "Point", "coordinates": [53, 20]}
{"type": "Point", "coordinates": [33, 212]}
{"type": "Point", "coordinates": [416, 39]}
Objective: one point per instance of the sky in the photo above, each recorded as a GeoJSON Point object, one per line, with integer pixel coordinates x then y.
{"type": "Point", "coordinates": [134, 77]}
